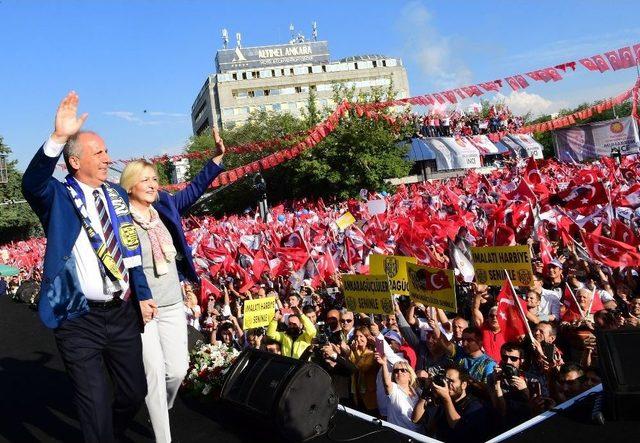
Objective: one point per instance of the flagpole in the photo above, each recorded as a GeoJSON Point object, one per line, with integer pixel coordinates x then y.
{"type": "Point", "coordinates": [517, 302]}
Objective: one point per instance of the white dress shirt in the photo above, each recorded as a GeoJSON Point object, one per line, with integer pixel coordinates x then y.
{"type": "Point", "coordinates": [87, 263]}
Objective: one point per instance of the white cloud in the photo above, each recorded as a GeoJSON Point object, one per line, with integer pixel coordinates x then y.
{"type": "Point", "coordinates": [131, 117]}
{"type": "Point", "coordinates": [166, 114]}
{"type": "Point", "coordinates": [521, 102]}
{"type": "Point", "coordinates": [432, 51]}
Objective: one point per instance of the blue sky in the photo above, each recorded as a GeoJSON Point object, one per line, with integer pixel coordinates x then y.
{"type": "Point", "coordinates": [124, 57]}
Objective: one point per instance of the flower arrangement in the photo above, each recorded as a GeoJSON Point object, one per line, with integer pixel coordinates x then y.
{"type": "Point", "coordinates": [208, 367]}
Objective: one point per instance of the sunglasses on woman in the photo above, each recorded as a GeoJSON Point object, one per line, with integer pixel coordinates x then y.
{"type": "Point", "coordinates": [397, 370]}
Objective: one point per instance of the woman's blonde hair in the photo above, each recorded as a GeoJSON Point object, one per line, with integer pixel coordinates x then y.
{"type": "Point", "coordinates": [131, 174]}
{"type": "Point", "coordinates": [412, 373]}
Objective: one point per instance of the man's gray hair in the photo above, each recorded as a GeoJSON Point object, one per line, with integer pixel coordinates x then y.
{"type": "Point", "coordinates": [72, 148]}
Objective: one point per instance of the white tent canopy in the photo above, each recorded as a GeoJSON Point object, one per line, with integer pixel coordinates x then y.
{"type": "Point", "coordinates": [454, 153]}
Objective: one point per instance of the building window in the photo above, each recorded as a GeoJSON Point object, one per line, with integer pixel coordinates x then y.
{"type": "Point", "coordinates": [251, 94]}
{"type": "Point", "coordinates": [312, 87]}
{"type": "Point", "coordinates": [298, 89]}
{"type": "Point", "coordinates": [291, 71]}
{"type": "Point", "coordinates": [310, 70]}
{"type": "Point", "coordinates": [375, 63]}
{"type": "Point", "coordinates": [235, 76]}
{"type": "Point", "coordinates": [384, 63]}
{"type": "Point", "coordinates": [273, 73]}
{"type": "Point", "coordinates": [324, 68]}
{"type": "Point", "coordinates": [282, 71]}
{"type": "Point", "coordinates": [244, 76]}
{"type": "Point", "coordinates": [266, 92]}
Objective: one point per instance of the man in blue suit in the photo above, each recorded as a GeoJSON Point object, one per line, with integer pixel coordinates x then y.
{"type": "Point", "coordinates": [93, 290]}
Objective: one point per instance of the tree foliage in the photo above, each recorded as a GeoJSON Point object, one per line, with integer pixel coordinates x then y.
{"type": "Point", "coordinates": [17, 220]}
{"type": "Point", "coordinates": [359, 153]}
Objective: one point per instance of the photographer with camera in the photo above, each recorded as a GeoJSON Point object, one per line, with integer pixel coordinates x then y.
{"type": "Point", "coordinates": [298, 335]}
{"type": "Point", "coordinates": [457, 416]}
{"type": "Point", "coordinates": [513, 389]}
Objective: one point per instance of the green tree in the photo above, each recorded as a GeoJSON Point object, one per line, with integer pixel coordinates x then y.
{"type": "Point", "coordinates": [359, 153]}
{"type": "Point", "coordinates": [17, 220]}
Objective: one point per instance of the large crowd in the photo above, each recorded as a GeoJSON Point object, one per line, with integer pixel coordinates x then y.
{"type": "Point", "coordinates": [443, 122]}
{"type": "Point", "coordinates": [450, 375]}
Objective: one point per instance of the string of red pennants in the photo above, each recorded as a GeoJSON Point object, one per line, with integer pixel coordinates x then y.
{"type": "Point", "coordinates": [322, 130]}
{"type": "Point", "coordinates": [623, 58]}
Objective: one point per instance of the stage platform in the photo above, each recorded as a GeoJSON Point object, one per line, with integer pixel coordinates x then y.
{"type": "Point", "coordinates": [36, 406]}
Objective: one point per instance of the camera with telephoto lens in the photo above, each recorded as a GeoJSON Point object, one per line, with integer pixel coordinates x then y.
{"type": "Point", "coordinates": [426, 384]}
{"type": "Point", "coordinates": [509, 371]}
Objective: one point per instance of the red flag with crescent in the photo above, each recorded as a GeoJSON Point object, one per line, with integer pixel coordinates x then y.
{"type": "Point", "coordinates": [512, 325]}
{"type": "Point", "coordinates": [600, 63]}
{"type": "Point", "coordinates": [611, 252]}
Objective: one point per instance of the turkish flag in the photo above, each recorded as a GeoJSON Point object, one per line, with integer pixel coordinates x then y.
{"type": "Point", "coordinates": [513, 83]}
{"type": "Point", "coordinates": [436, 281]}
{"type": "Point", "coordinates": [546, 251]}
{"type": "Point", "coordinates": [449, 95]}
{"type": "Point", "coordinates": [521, 81]}
{"type": "Point", "coordinates": [207, 288]}
{"type": "Point", "coordinates": [297, 256]}
{"type": "Point", "coordinates": [631, 197]}
{"type": "Point", "coordinates": [600, 63]}
{"type": "Point", "coordinates": [544, 75]}
{"type": "Point", "coordinates": [523, 191]}
{"type": "Point", "coordinates": [636, 52]}
{"type": "Point", "coordinates": [626, 57]}
{"type": "Point", "coordinates": [490, 86]}
{"type": "Point", "coordinates": [461, 93]}
{"type": "Point", "coordinates": [614, 60]}
{"type": "Point", "coordinates": [611, 252]}
{"type": "Point", "coordinates": [260, 263]}
{"type": "Point", "coordinates": [439, 98]}
{"type": "Point", "coordinates": [571, 310]}
{"type": "Point", "coordinates": [512, 325]}
{"type": "Point", "coordinates": [553, 74]}
{"type": "Point", "coordinates": [504, 235]}
{"type": "Point", "coordinates": [584, 195]}
{"type": "Point", "coordinates": [596, 303]}
{"type": "Point", "coordinates": [587, 177]}
{"type": "Point", "coordinates": [535, 75]}
{"type": "Point", "coordinates": [623, 233]}
{"type": "Point", "coordinates": [531, 172]}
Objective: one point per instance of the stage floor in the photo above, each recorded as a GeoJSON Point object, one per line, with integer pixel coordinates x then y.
{"type": "Point", "coordinates": [36, 405]}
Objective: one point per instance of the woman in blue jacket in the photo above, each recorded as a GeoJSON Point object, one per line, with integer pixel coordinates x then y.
{"type": "Point", "coordinates": [166, 260]}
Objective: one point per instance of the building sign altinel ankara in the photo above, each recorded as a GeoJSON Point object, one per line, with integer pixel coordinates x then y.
{"type": "Point", "coordinates": [277, 55]}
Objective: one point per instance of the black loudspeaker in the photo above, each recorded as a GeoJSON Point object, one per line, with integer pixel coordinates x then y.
{"type": "Point", "coordinates": [620, 366]}
{"type": "Point", "coordinates": [296, 399]}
